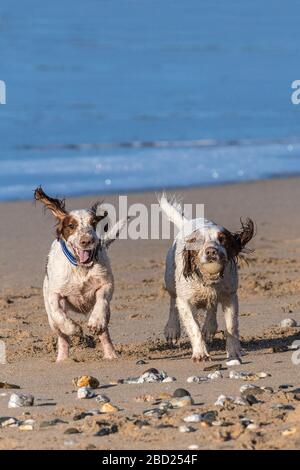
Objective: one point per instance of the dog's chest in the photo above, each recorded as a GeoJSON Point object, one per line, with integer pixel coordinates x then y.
{"type": "Point", "coordinates": [203, 297]}
{"type": "Point", "coordinates": [82, 293]}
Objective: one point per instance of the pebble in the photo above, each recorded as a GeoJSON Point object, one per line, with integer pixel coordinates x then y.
{"type": "Point", "coordinates": [251, 399]}
{"type": "Point", "coordinates": [282, 406]}
{"type": "Point", "coordinates": [154, 412]}
{"type": "Point", "coordinates": [105, 431]}
{"type": "Point", "coordinates": [108, 408]}
{"type": "Point", "coordinates": [85, 392]}
{"type": "Point", "coordinates": [181, 402]}
{"type": "Point", "coordinates": [102, 399]}
{"type": "Point", "coordinates": [207, 417]}
{"type": "Point", "coordinates": [250, 389]}
{"type": "Point", "coordinates": [72, 431]}
{"type": "Point", "coordinates": [9, 386]}
{"type": "Point", "coordinates": [195, 379]}
{"type": "Point", "coordinates": [185, 428]}
{"type": "Point", "coordinates": [252, 427]}
{"type": "Point", "coordinates": [223, 399]}
{"type": "Point", "coordinates": [150, 376]}
{"type": "Point", "coordinates": [169, 379]}
{"type": "Point", "coordinates": [288, 323]}
{"type": "Point", "coordinates": [215, 375]}
{"type": "Point", "coordinates": [233, 374]}
{"type": "Point", "coordinates": [52, 422]}
{"type": "Point", "coordinates": [26, 427]}
{"type": "Point", "coordinates": [284, 386]}
{"type": "Point", "coordinates": [213, 367]}
{"type": "Point", "coordinates": [141, 362]}
{"type": "Point", "coordinates": [193, 447]}
{"type": "Point", "coordinates": [245, 421]}
{"type": "Point", "coordinates": [69, 443]}
{"type": "Point", "coordinates": [18, 400]}
{"type": "Point", "coordinates": [233, 362]}
{"type": "Point", "coordinates": [181, 392]}
{"type": "Point", "coordinates": [7, 422]}
{"type": "Point", "coordinates": [289, 432]}
{"type": "Point", "coordinates": [145, 398]}
{"type": "Point", "coordinates": [85, 381]}
{"type": "Point", "coordinates": [166, 405]}
{"type": "Point", "coordinates": [85, 414]}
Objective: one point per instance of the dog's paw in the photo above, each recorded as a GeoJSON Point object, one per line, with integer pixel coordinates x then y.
{"type": "Point", "coordinates": [172, 333]}
{"type": "Point", "coordinates": [110, 355]}
{"type": "Point", "coordinates": [196, 358]}
{"type": "Point", "coordinates": [208, 332]}
{"type": "Point", "coordinates": [70, 328]}
{"type": "Point", "coordinates": [96, 326]}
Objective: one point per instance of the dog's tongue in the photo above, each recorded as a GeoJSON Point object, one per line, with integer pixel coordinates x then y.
{"type": "Point", "coordinates": [83, 256]}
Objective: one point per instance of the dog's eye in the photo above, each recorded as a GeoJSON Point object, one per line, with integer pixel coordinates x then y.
{"type": "Point", "coordinates": [222, 239]}
{"type": "Point", "coordinates": [71, 226]}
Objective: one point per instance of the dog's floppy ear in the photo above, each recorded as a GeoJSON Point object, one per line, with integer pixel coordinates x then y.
{"type": "Point", "coordinates": [56, 206]}
{"type": "Point", "coordinates": [98, 211]}
{"type": "Point", "coordinates": [99, 214]}
{"type": "Point", "coordinates": [243, 236]}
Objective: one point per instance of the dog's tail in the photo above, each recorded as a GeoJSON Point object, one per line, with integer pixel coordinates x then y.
{"type": "Point", "coordinates": [114, 232]}
{"type": "Point", "coordinates": [173, 210]}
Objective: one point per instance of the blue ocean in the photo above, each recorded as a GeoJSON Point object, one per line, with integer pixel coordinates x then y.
{"type": "Point", "coordinates": [122, 95]}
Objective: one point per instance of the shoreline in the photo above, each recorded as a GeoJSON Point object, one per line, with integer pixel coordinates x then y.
{"type": "Point", "coordinates": [156, 190]}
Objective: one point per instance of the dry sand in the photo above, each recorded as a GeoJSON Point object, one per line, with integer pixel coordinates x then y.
{"type": "Point", "coordinates": [269, 292]}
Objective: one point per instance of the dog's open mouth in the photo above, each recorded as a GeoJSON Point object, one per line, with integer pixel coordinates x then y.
{"type": "Point", "coordinates": [84, 257]}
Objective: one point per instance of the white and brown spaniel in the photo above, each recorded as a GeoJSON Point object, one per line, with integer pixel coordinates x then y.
{"type": "Point", "coordinates": [201, 272]}
{"type": "Point", "coordinates": [78, 273]}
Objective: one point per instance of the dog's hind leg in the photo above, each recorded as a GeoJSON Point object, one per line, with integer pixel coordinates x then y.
{"type": "Point", "coordinates": [172, 328]}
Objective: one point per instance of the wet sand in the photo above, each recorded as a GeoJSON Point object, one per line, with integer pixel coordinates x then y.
{"type": "Point", "coordinates": [269, 292]}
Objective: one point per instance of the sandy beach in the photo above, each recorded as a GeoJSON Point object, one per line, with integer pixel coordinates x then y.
{"type": "Point", "coordinates": [269, 292]}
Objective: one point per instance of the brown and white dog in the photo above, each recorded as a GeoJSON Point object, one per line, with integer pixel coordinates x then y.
{"type": "Point", "coordinates": [78, 274]}
{"type": "Point", "coordinates": [201, 272]}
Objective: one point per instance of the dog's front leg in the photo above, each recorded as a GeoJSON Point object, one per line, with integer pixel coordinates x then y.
{"type": "Point", "coordinates": [59, 318]}
{"type": "Point", "coordinates": [172, 328]}
{"type": "Point", "coordinates": [193, 330]}
{"type": "Point", "coordinates": [99, 320]}
{"type": "Point", "coordinates": [230, 307]}
{"type": "Point", "coordinates": [210, 324]}
{"type": "Point", "coordinates": [59, 322]}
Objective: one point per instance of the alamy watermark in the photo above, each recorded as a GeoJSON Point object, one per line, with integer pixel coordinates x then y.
{"type": "Point", "coordinates": [148, 222]}
{"type": "Point", "coordinates": [2, 92]}
{"type": "Point", "coordinates": [295, 97]}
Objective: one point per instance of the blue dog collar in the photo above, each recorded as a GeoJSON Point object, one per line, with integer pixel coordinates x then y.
{"type": "Point", "coordinates": [67, 253]}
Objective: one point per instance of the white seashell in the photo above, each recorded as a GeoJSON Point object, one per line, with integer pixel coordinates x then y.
{"type": "Point", "coordinates": [85, 392]}
{"type": "Point", "coordinates": [169, 379]}
{"type": "Point", "coordinates": [288, 323]}
{"type": "Point", "coordinates": [215, 375]}
{"type": "Point", "coordinates": [18, 400]}
{"type": "Point", "coordinates": [185, 428]}
{"type": "Point", "coordinates": [233, 362]}
{"type": "Point", "coordinates": [194, 418]}
{"type": "Point", "coordinates": [195, 379]}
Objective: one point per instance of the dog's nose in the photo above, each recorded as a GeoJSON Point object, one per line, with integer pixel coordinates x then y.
{"type": "Point", "coordinates": [86, 240]}
{"type": "Point", "coordinates": [211, 252]}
